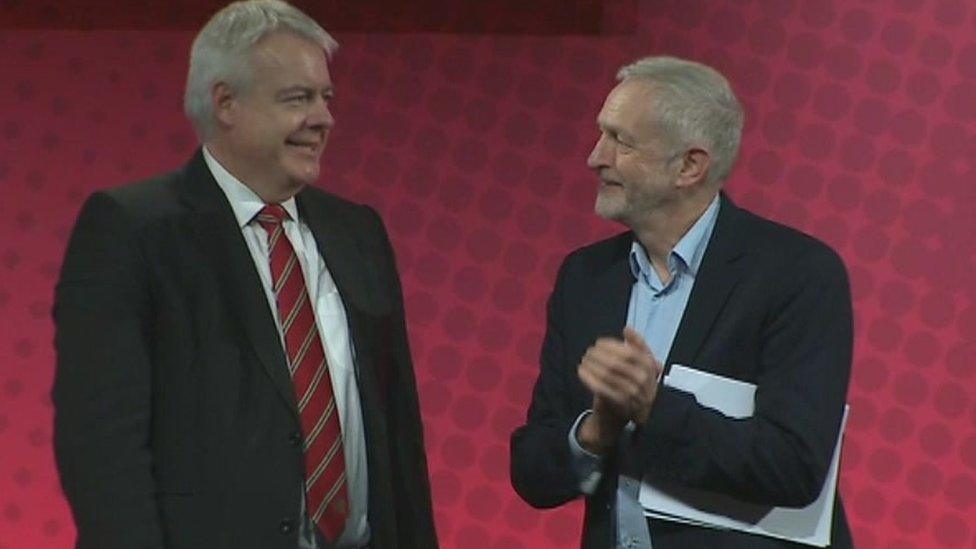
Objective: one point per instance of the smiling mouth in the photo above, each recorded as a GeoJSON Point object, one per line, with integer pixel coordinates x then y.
{"type": "Point", "coordinates": [311, 147]}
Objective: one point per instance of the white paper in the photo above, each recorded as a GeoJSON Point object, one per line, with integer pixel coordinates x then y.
{"type": "Point", "coordinates": [732, 397]}
{"type": "Point", "coordinates": [809, 525]}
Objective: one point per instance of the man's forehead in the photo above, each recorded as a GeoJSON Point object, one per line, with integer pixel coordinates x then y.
{"type": "Point", "coordinates": [291, 62]}
{"type": "Point", "coordinates": [632, 93]}
{"type": "Point", "coordinates": [281, 47]}
{"type": "Point", "coordinates": [627, 104]}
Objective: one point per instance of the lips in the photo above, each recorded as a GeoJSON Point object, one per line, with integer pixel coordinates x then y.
{"type": "Point", "coordinates": [307, 146]}
{"type": "Point", "coordinates": [605, 178]}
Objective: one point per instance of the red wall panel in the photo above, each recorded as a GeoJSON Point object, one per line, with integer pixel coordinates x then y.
{"type": "Point", "coordinates": [861, 129]}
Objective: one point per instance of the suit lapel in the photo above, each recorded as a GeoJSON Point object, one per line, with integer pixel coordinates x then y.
{"type": "Point", "coordinates": [219, 236]}
{"type": "Point", "coordinates": [336, 241]}
{"type": "Point", "coordinates": [718, 274]}
{"type": "Point", "coordinates": [610, 316]}
{"type": "Point", "coordinates": [337, 244]}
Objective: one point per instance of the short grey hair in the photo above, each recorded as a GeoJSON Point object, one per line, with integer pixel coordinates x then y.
{"type": "Point", "coordinates": [221, 51]}
{"type": "Point", "coordinates": [696, 107]}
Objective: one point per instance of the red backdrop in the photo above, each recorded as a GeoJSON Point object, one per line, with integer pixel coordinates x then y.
{"type": "Point", "coordinates": [861, 129]}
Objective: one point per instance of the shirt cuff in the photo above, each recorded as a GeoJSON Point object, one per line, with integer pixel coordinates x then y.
{"type": "Point", "coordinates": [587, 467]}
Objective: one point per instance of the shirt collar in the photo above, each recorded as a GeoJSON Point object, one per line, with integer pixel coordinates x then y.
{"type": "Point", "coordinates": [687, 253]}
{"type": "Point", "coordinates": [245, 202]}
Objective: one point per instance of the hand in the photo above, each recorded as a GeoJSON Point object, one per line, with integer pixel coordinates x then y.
{"type": "Point", "coordinates": [623, 377]}
{"type": "Point", "coordinates": [599, 431]}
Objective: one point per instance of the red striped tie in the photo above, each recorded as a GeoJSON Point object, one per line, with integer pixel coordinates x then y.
{"type": "Point", "coordinates": [325, 464]}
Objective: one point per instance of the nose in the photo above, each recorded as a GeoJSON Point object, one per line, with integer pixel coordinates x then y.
{"type": "Point", "coordinates": [320, 114]}
{"type": "Point", "coordinates": [600, 155]}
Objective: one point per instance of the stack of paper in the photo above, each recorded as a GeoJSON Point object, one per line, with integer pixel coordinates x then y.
{"type": "Point", "coordinates": [809, 525]}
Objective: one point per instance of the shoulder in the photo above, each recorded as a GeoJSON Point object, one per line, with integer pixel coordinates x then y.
{"type": "Point", "coordinates": [359, 222]}
{"type": "Point", "coordinates": [139, 203]}
{"type": "Point", "coordinates": [603, 251]}
{"type": "Point", "coordinates": [784, 249]}
{"type": "Point", "coordinates": [594, 259]}
{"type": "Point", "coordinates": [347, 210]}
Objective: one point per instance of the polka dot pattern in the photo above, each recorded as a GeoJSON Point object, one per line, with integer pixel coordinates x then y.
{"type": "Point", "coordinates": [861, 129]}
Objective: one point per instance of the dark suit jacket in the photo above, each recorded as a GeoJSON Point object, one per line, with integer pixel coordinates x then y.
{"type": "Point", "coordinates": [175, 418]}
{"type": "Point", "coordinates": [770, 306]}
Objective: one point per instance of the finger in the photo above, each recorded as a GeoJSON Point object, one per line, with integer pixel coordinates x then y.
{"type": "Point", "coordinates": [625, 361]}
{"type": "Point", "coordinates": [626, 394]}
{"type": "Point", "coordinates": [606, 374]}
{"type": "Point", "coordinates": [633, 337]}
{"type": "Point", "coordinates": [621, 401]}
{"type": "Point", "coordinates": [615, 350]}
{"type": "Point", "coordinates": [601, 382]}
{"type": "Point", "coordinates": [629, 372]}
{"type": "Point", "coordinates": [609, 345]}
{"type": "Point", "coordinates": [606, 354]}
{"type": "Point", "coordinates": [611, 361]}
{"type": "Point", "coordinates": [623, 377]}
{"type": "Point", "coordinates": [608, 340]}
{"type": "Point", "coordinates": [600, 390]}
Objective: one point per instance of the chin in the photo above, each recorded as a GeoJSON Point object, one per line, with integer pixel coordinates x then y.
{"type": "Point", "coordinates": [608, 209]}
{"type": "Point", "coordinates": [304, 176]}
{"type": "Point", "coordinates": [298, 183]}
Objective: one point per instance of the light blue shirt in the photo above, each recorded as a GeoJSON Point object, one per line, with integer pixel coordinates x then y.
{"type": "Point", "coordinates": [655, 311]}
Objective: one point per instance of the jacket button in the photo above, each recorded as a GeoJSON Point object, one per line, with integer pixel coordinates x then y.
{"type": "Point", "coordinates": [286, 526]}
{"type": "Point", "coordinates": [295, 438]}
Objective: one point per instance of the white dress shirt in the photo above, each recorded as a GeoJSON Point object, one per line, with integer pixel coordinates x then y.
{"type": "Point", "coordinates": [330, 318]}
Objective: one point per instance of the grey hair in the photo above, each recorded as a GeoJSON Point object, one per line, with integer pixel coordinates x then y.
{"type": "Point", "coordinates": [697, 107]}
{"type": "Point", "coordinates": [221, 51]}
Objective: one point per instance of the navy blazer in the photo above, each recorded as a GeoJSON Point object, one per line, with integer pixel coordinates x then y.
{"type": "Point", "coordinates": [175, 418]}
{"type": "Point", "coordinates": [770, 306]}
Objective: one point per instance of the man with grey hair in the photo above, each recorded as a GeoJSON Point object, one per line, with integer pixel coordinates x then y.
{"type": "Point", "coordinates": [695, 281]}
{"type": "Point", "coordinates": [232, 359]}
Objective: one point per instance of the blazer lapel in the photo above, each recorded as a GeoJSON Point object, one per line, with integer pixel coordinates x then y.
{"type": "Point", "coordinates": [220, 237]}
{"type": "Point", "coordinates": [336, 241]}
{"type": "Point", "coordinates": [614, 281]}
{"type": "Point", "coordinates": [618, 281]}
{"type": "Point", "coordinates": [337, 244]}
{"type": "Point", "coordinates": [718, 274]}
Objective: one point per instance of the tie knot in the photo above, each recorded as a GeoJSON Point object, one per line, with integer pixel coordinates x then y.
{"type": "Point", "coordinates": [272, 214]}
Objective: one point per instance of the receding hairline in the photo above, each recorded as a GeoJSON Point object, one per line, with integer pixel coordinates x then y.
{"type": "Point", "coordinates": [647, 85]}
{"type": "Point", "coordinates": [260, 57]}
{"type": "Point", "coordinates": [648, 88]}
{"type": "Point", "coordinates": [256, 48]}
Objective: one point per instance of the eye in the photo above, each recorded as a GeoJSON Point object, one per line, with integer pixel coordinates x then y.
{"type": "Point", "coordinates": [298, 98]}
{"type": "Point", "coordinates": [620, 141]}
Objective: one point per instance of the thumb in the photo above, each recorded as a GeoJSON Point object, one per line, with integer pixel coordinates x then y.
{"type": "Point", "coordinates": [636, 340]}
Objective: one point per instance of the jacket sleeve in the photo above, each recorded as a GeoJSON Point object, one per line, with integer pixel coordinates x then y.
{"type": "Point", "coordinates": [102, 383]}
{"type": "Point", "coordinates": [542, 466]}
{"type": "Point", "coordinates": [780, 455]}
